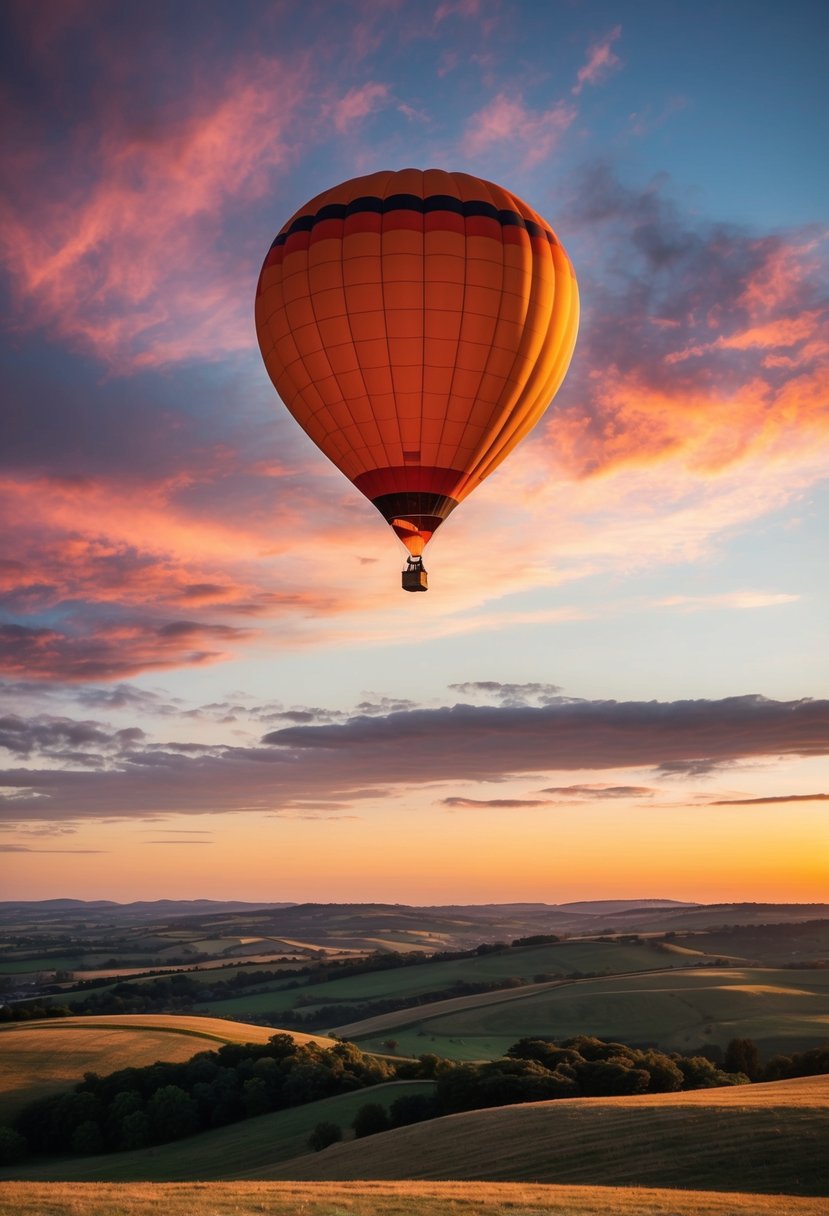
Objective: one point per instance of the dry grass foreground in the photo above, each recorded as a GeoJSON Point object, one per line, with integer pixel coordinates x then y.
{"type": "Point", "coordinates": [39, 1058]}
{"type": "Point", "coordinates": [767, 1138]}
{"type": "Point", "coordinates": [384, 1199]}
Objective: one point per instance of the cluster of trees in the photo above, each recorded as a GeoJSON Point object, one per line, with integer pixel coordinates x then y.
{"type": "Point", "coordinates": [137, 1107]}
{"type": "Point", "coordinates": [536, 1070]}
{"type": "Point", "coordinates": [32, 1011]}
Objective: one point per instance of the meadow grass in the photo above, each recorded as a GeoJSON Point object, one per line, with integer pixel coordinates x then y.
{"type": "Point", "coordinates": [39, 1058]}
{"type": "Point", "coordinates": [521, 963]}
{"type": "Point", "coordinates": [782, 1010]}
{"type": "Point", "coordinates": [770, 1138]}
{"type": "Point", "coordinates": [386, 1199]}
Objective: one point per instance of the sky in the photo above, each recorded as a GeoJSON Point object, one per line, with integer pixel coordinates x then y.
{"type": "Point", "coordinates": [211, 684]}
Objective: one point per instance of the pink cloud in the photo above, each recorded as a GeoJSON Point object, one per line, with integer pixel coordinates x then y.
{"type": "Point", "coordinates": [124, 259]}
{"type": "Point", "coordinates": [505, 120]}
{"type": "Point", "coordinates": [358, 103]}
{"type": "Point", "coordinates": [601, 61]}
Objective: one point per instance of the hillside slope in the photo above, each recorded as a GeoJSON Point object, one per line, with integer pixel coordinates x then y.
{"type": "Point", "coordinates": [762, 1138]}
{"type": "Point", "coordinates": [783, 1010]}
{"type": "Point", "coordinates": [39, 1058]}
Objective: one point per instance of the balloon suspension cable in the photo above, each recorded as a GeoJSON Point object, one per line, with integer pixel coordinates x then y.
{"type": "Point", "coordinates": [414, 577]}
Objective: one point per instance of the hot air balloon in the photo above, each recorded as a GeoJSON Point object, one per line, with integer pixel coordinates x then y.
{"type": "Point", "coordinates": [417, 324]}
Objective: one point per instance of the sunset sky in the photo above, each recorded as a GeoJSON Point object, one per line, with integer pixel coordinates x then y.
{"type": "Point", "coordinates": [212, 684]}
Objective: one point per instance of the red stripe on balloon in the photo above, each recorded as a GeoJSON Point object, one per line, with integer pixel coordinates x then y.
{"type": "Point", "coordinates": [422, 479]}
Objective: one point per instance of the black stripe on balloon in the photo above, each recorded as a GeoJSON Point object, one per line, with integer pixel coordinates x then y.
{"type": "Point", "coordinates": [414, 505]}
{"type": "Point", "coordinates": [411, 202]}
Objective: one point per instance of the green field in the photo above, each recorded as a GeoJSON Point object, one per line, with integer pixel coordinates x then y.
{"type": "Point", "coordinates": [782, 1010]}
{"type": "Point", "coordinates": [250, 1149]}
{"type": "Point", "coordinates": [522, 963]}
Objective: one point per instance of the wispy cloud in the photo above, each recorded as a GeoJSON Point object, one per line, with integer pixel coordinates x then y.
{"type": "Point", "coordinates": [506, 122]}
{"type": "Point", "coordinates": [125, 259]}
{"type": "Point", "coordinates": [362, 758]}
{"type": "Point", "coordinates": [508, 804]}
{"type": "Point", "coordinates": [772, 798]}
{"type": "Point", "coordinates": [601, 61]}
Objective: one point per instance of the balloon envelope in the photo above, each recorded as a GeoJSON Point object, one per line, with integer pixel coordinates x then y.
{"type": "Point", "coordinates": [417, 324]}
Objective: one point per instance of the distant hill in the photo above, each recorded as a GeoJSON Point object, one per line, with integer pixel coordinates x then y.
{"type": "Point", "coordinates": [600, 907]}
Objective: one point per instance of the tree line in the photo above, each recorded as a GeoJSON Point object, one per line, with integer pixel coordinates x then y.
{"type": "Point", "coordinates": [139, 1107]}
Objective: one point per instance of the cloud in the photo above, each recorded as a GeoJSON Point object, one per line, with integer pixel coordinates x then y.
{"type": "Point", "coordinates": [728, 599]}
{"type": "Point", "coordinates": [508, 123]}
{"type": "Point", "coordinates": [22, 848]}
{"type": "Point", "coordinates": [364, 759]}
{"type": "Point", "coordinates": [496, 803]}
{"type": "Point", "coordinates": [601, 61]}
{"type": "Point", "coordinates": [772, 798]}
{"type": "Point", "coordinates": [357, 104]}
{"type": "Point", "coordinates": [126, 258]}
{"type": "Point", "coordinates": [673, 288]}
{"type": "Point", "coordinates": [51, 735]}
{"type": "Point", "coordinates": [702, 766]}
{"type": "Point", "coordinates": [597, 791]}
{"type": "Point", "coordinates": [509, 694]}
{"type": "Point", "coordinates": [179, 842]}
{"type": "Point", "coordinates": [114, 650]}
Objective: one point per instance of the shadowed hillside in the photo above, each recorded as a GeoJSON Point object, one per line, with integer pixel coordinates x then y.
{"type": "Point", "coordinates": [766, 1138]}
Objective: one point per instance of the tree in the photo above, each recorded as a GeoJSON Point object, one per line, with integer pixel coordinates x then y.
{"type": "Point", "coordinates": [390, 1044]}
{"type": "Point", "coordinates": [323, 1135]}
{"type": "Point", "coordinates": [87, 1138]}
{"type": "Point", "coordinates": [12, 1146]}
{"type": "Point", "coordinates": [171, 1113]}
{"type": "Point", "coordinates": [741, 1055]}
{"type": "Point", "coordinates": [370, 1119]}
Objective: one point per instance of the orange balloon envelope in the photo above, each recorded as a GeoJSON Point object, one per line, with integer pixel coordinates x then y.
{"type": "Point", "coordinates": [417, 324]}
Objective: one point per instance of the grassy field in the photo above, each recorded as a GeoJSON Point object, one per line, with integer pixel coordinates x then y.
{"type": "Point", "coordinates": [249, 1149]}
{"type": "Point", "coordinates": [782, 1010]}
{"type": "Point", "coordinates": [387, 1199]}
{"type": "Point", "coordinates": [38, 1058]}
{"type": "Point", "coordinates": [521, 963]}
{"type": "Point", "coordinates": [769, 1138]}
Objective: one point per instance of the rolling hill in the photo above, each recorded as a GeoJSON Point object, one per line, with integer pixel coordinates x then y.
{"type": "Point", "coordinates": [783, 1010]}
{"type": "Point", "coordinates": [761, 1138]}
{"type": "Point", "coordinates": [39, 1058]}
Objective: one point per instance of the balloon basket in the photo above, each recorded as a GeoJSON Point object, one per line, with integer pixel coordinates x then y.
{"type": "Point", "coordinates": [414, 577]}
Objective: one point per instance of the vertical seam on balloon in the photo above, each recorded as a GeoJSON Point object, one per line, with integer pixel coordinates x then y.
{"type": "Point", "coordinates": [422, 314]}
{"type": "Point", "coordinates": [485, 454]}
{"type": "Point", "coordinates": [505, 413]}
{"type": "Point", "coordinates": [497, 318]}
{"type": "Point", "coordinates": [548, 388]}
{"type": "Point", "coordinates": [354, 344]}
{"type": "Point", "coordinates": [532, 415]}
{"type": "Point", "coordinates": [398, 478]}
{"type": "Point", "coordinates": [460, 327]}
{"type": "Point", "coordinates": [327, 360]}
